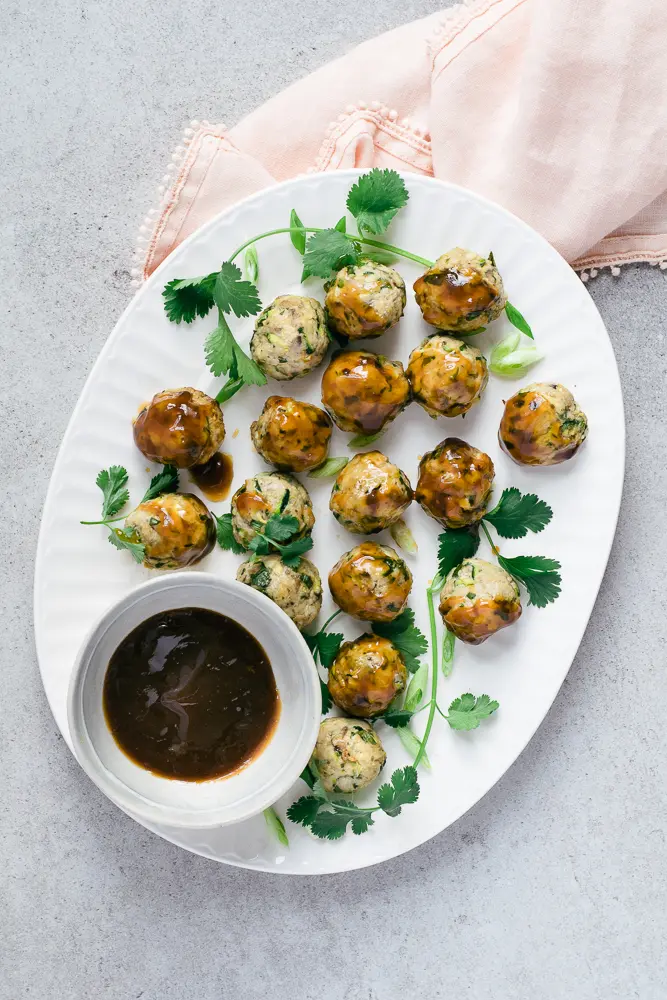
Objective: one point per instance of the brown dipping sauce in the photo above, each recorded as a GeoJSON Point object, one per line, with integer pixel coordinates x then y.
{"type": "Point", "coordinates": [214, 478]}
{"type": "Point", "coordinates": [190, 694]}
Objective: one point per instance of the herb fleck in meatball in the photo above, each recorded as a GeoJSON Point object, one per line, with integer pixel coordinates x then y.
{"type": "Point", "coordinates": [371, 582]}
{"type": "Point", "coordinates": [478, 599]}
{"type": "Point", "coordinates": [264, 495]}
{"type": "Point", "coordinates": [182, 427]}
{"type": "Point", "coordinates": [291, 435]}
{"type": "Point", "coordinates": [455, 483]}
{"type": "Point", "coordinates": [447, 376]}
{"type": "Point", "coordinates": [462, 291]}
{"type": "Point", "coordinates": [364, 300]}
{"type": "Point", "coordinates": [370, 494]}
{"type": "Point", "coordinates": [177, 530]}
{"type": "Point", "coordinates": [542, 425]}
{"type": "Point", "coordinates": [298, 592]}
{"type": "Point", "coordinates": [348, 755]}
{"type": "Point", "coordinates": [364, 392]}
{"type": "Point", "coordinates": [366, 676]}
{"type": "Point", "coordinates": [290, 337]}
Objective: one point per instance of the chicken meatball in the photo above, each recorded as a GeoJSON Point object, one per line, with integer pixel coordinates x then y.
{"type": "Point", "coordinates": [366, 676]}
{"type": "Point", "coordinates": [182, 427]}
{"type": "Point", "coordinates": [370, 494]}
{"type": "Point", "coordinates": [478, 599]}
{"type": "Point", "coordinates": [371, 582]}
{"type": "Point", "coordinates": [455, 482]}
{"type": "Point", "coordinates": [364, 392]}
{"type": "Point", "coordinates": [298, 591]}
{"type": "Point", "coordinates": [447, 376]}
{"type": "Point", "coordinates": [462, 291]}
{"type": "Point", "coordinates": [176, 530]}
{"type": "Point", "coordinates": [292, 435]}
{"type": "Point", "coordinates": [264, 495]}
{"type": "Point", "coordinates": [290, 337]}
{"type": "Point", "coordinates": [542, 425]}
{"type": "Point", "coordinates": [348, 755]}
{"type": "Point", "coordinates": [364, 300]}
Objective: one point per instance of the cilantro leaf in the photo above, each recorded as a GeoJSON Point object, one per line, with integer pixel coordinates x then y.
{"type": "Point", "coordinates": [165, 481]}
{"type": "Point", "coordinates": [247, 369]}
{"type": "Point", "coordinates": [327, 251]}
{"type": "Point", "coordinates": [292, 552]}
{"type": "Point", "coordinates": [223, 355]}
{"type": "Point", "coordinates": [403, 791]}
{"type": "Point", "coordinates": [122, 538]}
{"type": "Point", "coordinates": [397, 717]}
{"type": "Point", "coordinates": [456, 544]}
{"type": "Point", "coordinates": [404, 634]}
{"type": "Point", "coordinates": [327, 700]}
{"type": "Point", "coordinates": [376, 198]}
{"type": "Point", "coordinates": [304, 810]}
{"type": "Point", "coordinates": [330, 824]}
{"type": "Point", "coordinates": [517, 320]}
{"type": "Point", "coordinates": [517, 513]}
{"type": "Point", "coordinates": [233, 293]}
{"type": "Point", "coordinates": [297, 233]}
{"type": "Point", "coordinates": [187, 298]}
{"type": "Point", "coordinates": [341, 225]}
{"type": "Point", "coordinates": [112, 482]}
{"type": "Point", "coordinates": [225, 534]}
{"type": "Point", "coordinates": [276, 826]}
{"type": "Point", "coordinates": [361, 823]}
{"type": "Point", "coordinates": [328, 646]}
{"type": "Point", "coordinates": [307, 776]}
{"type": "Point", "coordinates": [281, 527]}
{"type": "Point", "coordinates": [467, 712]}
{"type": "Point", "coordinates": [539, 575]}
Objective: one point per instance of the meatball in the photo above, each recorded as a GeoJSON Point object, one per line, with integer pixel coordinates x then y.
{"type": "Point", "coordinates": [447, 376]}
{"type": "Point", "coordinates": [182, 427]}
{"type": "Point", "coordinates": [370, 494]}
{"type": "Point", "coordinates": [371, 582]}
{"type": "Point", "coordinates": [363, 391]}
{"type": "Point", "coordinates": [264, 495]}
{"type": "Point", "coordinates": [542, 425]}
{"type": "Point", "coordinates": [462, 291]}
{"type": "Point", "coordinates": [291, 435]}
{"type": "Point", "coordinates": [348, 755]}
{"type": "Point", "coordinates": [367, 675]}
{"type": "Point", "coordinates": [478, 599]}
{"type": "Point", "coordinates": [364, 300]}
{"type": "Point", "coordinates": [455, 482]}
{"type": "Point", "coordinates": [176, 529]}
{"type": "Point", "coordinates": [290, 337]}
{"type": "Point", "coordinates": [298, 591]}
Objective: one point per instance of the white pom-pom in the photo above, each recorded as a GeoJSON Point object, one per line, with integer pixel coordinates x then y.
{"type": "Point", "coordinates": [594, 272]}
{"type": "Point", "coordinates": [653, 263]}
{"type": "Point", "coordinates": [393, 114]}
{"type": "Point", "coordinates": [362, 105]}
{"type": "Point", "coordinates": [375, 105]}
{"type": "Point", "coordinates": [188, 132]}
{"type": "Point", "coordinates": [663, 265]}
{"type": "Point", "coordinates": [405, 122]}
{"type": "Point", "coordinates": [194, 123]}
{"type": "Point", "coordinates": [615, 271]}
{"type": "Point", "coordinates": [584, 276]}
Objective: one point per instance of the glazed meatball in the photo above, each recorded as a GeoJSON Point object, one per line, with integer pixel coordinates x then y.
{"type": "Point", "coordinates": [370, 494]}
{"type": "Point", "coordinates": [264, 495]}
{"type": "Point", "coordinates": [298, 591]}
{"type": "Point", "coordinates": [364, 300]}
{"type": "Point", "coordinates": [455, 483]}
{"type": "Point", "coordinates": [542, 425]}
{"type": "Point", "coordinates": [364, 392]}
{"type": "Point", "coordinates": [371, 582]}
{"type": "Point", "coordinates": [177, 530]}
{"type": "Point", "coordinates": [182, 427]}
{"type": "Point", "coordinates": [478, 599]}
{"type": "Point", "coordinates": [447, 376]}
{"type": "Point", "coordinates": [348, 755]}
{"type": "Point", "coordinates": [462, 291]}
{"type": "Point", "coordinates": [291, 435]}
{"type": "Point", "coordinates": [366, 676]}
{"type": "Point", "coordinates": [290, 337]}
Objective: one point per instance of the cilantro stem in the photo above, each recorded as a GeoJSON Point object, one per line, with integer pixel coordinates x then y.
{"type": "Point", "coordinates": [109, 520]}
{"type": "Point", "coordinates": [319, 229]}
{"type": "Point", "coordinates": [431, 593]}
{"type": "Point", "coordinates": [330, 619]}
{"type": "Point", "coordinates": [494, 547]}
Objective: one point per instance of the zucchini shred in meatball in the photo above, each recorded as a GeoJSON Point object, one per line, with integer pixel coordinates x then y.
{"type": "Point", "coordinates": [176, 529]}
{"type": "Point", "coordinates": [542, 425]}
{"type": "Point", "coordinates": [370, 493]}
{"type": "Point", "coordinates": [290, 337]}
{"type": "Point", "coordinates": [366, 675]}
{"type": "Point", "coordinates": [447, 376]}
{"type": "Point", "coordinates": [264, 495]}
{"type": "Point", "coordinates": [181, 427]}
{"type": "Point", "coordinates": [364, 300]}
{"type": "Point", "coordinates": [297, 591]}
{"type": "Point", "coordinates": [348, 755]}
{"type": "Point", "coordinates": [455, 482]}
{"type": "Point", "coordinates": [479, 598]}
{"type": "Point", "coordinates": [363, 392]}
{"type": "Point", "coordinates": [461, 291]}
{"type": "Point", "coordinates": [291, 435]}
{"type": "Point", "coordinates": [371, 582]}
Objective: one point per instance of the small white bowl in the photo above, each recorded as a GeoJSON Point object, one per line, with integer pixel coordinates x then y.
{"type": "Point", "coordinates": [220, 801]}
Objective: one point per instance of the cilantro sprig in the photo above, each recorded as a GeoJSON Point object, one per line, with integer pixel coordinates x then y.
{"type": "Point", "coordinates": [376, 198]}
{"type": "Point", "coordinates": [517, 513]}
{"type": "Point", "coordinates": [275, 535]}
{"type": "Point", "coordinates": [408, 639]}
{"type": "Point", "coordinates": [465, 712]}
{"type": "Point", "coordinates": [325, 647]}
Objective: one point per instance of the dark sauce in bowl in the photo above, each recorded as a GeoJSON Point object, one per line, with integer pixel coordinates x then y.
{"type": "Point", "coordinates": [190, 694]}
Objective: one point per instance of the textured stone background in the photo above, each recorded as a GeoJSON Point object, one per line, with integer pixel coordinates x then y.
{"type": "Point", "coordinates": [554, 885]}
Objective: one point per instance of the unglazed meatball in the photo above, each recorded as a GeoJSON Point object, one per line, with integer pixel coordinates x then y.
{"type": "Point", "coordinates": [182, 427]}
{"type": "Point", "coordinates": [297, 591]}
{"type": "Point", "coordinates": [371, 582]}
{"type": "Point", "coordinates": [364, 300]}
{"type": "Point", "coordinates": [370, 494]}
{"type": "Point", "coordinates": [462, 291]}
{"type": "Point", "coordinates": [264, 495]}
{"type": "Point", "coordinates": [348, 755]}
{"type": "Point", "coordinates": [542, 425]}
{"type": "Point", "coordinates": [366, 676]}
{"type": "Point", "coordinates": [478, 599]}
{"type": "Point", "coordinates": [291, 435]}
{"type": "Point", "coordinates": [363, 391]}
{"type": "Point", "coordinates": [176, 529]}
{"type": "Point", "coordinates": [455, 482]}
{"type": "Point", "coordinates": [447, 376]}
{"type": "Point", "coordinates": [290, 337]}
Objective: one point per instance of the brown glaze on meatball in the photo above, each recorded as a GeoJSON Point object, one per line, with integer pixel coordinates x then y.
{"type": "Point", "coordinates": [371, 582]}
{"type": "Point", "coordinates": [462, 291]}
{"type": "Point", "coordinates": [542, 425]}
{"type": "Point", "coordinates": [370, 494]}
{"type": "Point", "coordinates": [447, 376]}
{"type": "Point", "coordinates": [366, 676]}
{"type": "Point", "coordinates": [363, 391]}
{"type": "Point", "coordinates": [291, 435]}
{"type": "Point", "coordinates": [181, 427]}
{"type": "Point", "coordinates": [479, 598]}
{"type": "Point", "coordinates": [455, 482]}
{"type": "Point", "coordinates": [364, 300]}
{"type": "Point", "coordinates": [177, 530]}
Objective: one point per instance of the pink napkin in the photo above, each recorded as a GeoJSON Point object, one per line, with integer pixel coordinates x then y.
{"type": "Point", "coordinates": [556, 109]}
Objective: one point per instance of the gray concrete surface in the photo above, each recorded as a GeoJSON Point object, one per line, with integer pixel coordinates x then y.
{"type": "Point", "coordinates": [554, 886]}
